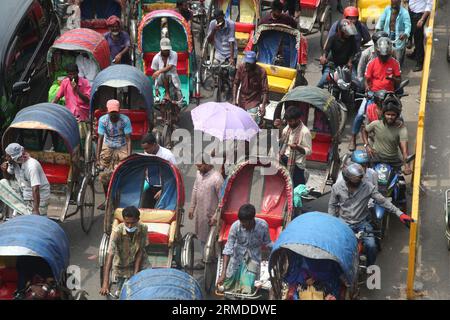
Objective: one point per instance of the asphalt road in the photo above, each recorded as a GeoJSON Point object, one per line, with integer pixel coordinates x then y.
{"type": "Point", "coordinates": [434, 258]}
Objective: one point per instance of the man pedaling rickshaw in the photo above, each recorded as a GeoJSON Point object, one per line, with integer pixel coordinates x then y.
{"type": "Point", "coordinates": [221, 34]}
{"type": "Point", "coordinates": [251, 88]}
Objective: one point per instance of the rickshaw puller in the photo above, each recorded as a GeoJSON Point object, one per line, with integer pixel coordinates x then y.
{"type": "Point", "coordinates": [221, 33]}
{"type": "Point", "coordinates": [126, 251]}
{"type": "Point", "coordinates": [165, 74]}
{"type": "Point", "coordinates": [118, 41]}
{"type": "Point", "coordinates": [242, 252]}
{"type": "Point", "coordinates": [253, 87]}
{"type": "Point", "coordinates": [25, 186]}
{"type": "Point", "coordinates": [349, 201]}
{"type": "Point", "coordinates": [114, 142]}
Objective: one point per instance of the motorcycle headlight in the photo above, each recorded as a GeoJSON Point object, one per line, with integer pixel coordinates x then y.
{"type": "Point", "coordinates": [383, 174]}
{"type": "Point", "coordinates": [343, 85]}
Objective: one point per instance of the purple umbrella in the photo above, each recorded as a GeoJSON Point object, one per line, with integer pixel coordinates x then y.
{"type": "Point", "coordinates": [224, 121]}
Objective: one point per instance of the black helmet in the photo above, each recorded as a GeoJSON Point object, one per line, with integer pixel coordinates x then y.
{"type": "Point", "coordinates": [392, 104]}
{"type": "Point", "coordinates": [377, 35]}
{"type": "Point", "coordinates": [384, 46]}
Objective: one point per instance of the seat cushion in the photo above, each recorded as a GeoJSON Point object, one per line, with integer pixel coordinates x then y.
{"type": "Point", "coordinates": [321, 144]}
{"type": "Point", "coordinates": [7, 290]}
{"type": "Point", "coordinates": [158, 233]}
{"type": "Point", "coordinates": [8, 274]}
{"type": "Point", "coordinates": [279, 85]}
{"type": "Point", "coordinates": [182, 63]}
{"type": "Point", "coordinates": [309, 4]}
{"type": "Point", "coordinates": [56, 173]}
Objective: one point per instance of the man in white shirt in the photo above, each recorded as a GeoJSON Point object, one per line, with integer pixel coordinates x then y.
{"type": "Point", "coordinates": [87, 68]}
{"type": "Point", "coordinates": [25, 188]}
{"type": "Point", "coordinates": [165, 74]}
{"type": "Point", "coordinates": [419, 11]}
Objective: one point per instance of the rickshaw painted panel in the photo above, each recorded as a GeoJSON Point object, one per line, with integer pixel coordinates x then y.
{"type": "Point", "coordinates": [325, 232]}
{"type": "Point", "coordinates": [85, 39]}
{"type": "Point", "coordinates": [309, 4]}
{"type": "Point", "coordinates": [42, 236]}
{"type": "Point", "coordinates": [48, 116]}
{"type": "Point", "coordinates": [95, 9]}
{"type": "Point", "coordinates": [239, 192]}
{"type": "Point", "coordinates": [161, 284]}
{"type": "Point", "coordinates": [371, 9]}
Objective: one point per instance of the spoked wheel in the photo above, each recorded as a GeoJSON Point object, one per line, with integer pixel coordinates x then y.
{"type": "Point", "coordinates": [159, 138]}
{"type": "Point", "coordinates": [223, 90]}
{"type": "Point", "coordinates": [67, 201]}
{"type": "Point", "coordinates": [384, 225]}
{"type": "Point", "coordinates": [210, 276]}
{"type": "Point", "coordinates": [167, 136]}
{"type": "Point", "coordinates": [325, 29]}
{"type": "Point", "coordinates": [187, 253]}
{"type": "Point", "coordinates": [87, 203]}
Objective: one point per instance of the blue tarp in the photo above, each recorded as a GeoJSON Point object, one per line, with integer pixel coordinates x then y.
{"type": "Point", "coordinates": [125, 73]}
{"type": "Point", "coordinates": [44, 237]}
{"type": "Point", "coordinates": [271, 41]}
{"type": "Point", "coordinates": [52, 117]}
{"type": "Point", "coordinates": [161, 284]}
{"type": "Point", "coordinates": [314, 233]}
{"type": "Point", "coordinates": [128, 182]}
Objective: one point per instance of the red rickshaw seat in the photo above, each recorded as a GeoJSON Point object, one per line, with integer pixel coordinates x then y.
{"type": "Point", "coordinates": [320, 147]}
{"type": "Point", "coordinates": [244, 27]}
{"type": "Point", "coordinates": [56, 173]}
{"type": "Point", "coordinates": [138, 119]}
{"type": "Point", "coordinates": [8, 283]}
{"type": "Point", "coordinates": [182, 64]}
{"type": "Point", "coordinates": [275, 223]}
{"type": "Point", "coordinates": [98, 25]}
{"type": "Point", "coordinates": [309, 4]}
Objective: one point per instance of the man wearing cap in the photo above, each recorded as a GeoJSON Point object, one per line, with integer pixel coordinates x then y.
{"type": "Point", "coordinates": [25, 188]}
{"type": "Point", "coordinates": [221, 34]}
{"type": "Point", "coordinates": [118, 41]}
{"type": "Point", "coordinates": [165, 74]}
{"type": "Point", "coordinates": [251, 84]}
{"type": "Point", "coordinates": [114, 142]}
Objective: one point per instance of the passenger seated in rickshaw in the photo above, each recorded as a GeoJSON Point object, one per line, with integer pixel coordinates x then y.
{"type": "Point", "coordinates": [87, 67]}
{"type": "Point", "coordinates": [277, 16]}
{"type": "Point", "coordinates": [242, 252]}
{"type": "Point", "coordinates": [165, 74]}
{"type": "Point", "coordinates": [126, 252]}
{"type": "Point", "coordinates": [35, 280]}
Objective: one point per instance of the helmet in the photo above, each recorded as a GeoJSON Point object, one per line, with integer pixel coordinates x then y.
{"type": "Point", "coordinates": [353, 170]}
{"type": "Point", "coordinates": [351, 12]}
{"type": "Point", "coordinates": [384, 46]}
{"type": "Point", "coordinates": [391, 104]}
{"type": "Point", "coordinates": [347, 27]}
{"type": "Point", "coordinates": [377, 35]}
{"type": "Point", "coordinates": [360, 156]}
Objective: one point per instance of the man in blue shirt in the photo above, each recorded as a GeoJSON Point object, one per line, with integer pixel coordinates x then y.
{"type": "Point", "coordinates": [114, 142]}
{"type": "Point", "coordinates": [221, 34]}
{"type": "Point", "coordinates": [395, 20]}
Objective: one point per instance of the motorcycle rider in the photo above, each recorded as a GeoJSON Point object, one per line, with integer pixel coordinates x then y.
{"type": "Point", "coordinates": [382, 73]}
{"type": "Point", "coordinates": [340, 49]}
{"type": "Point", "coordinates": [352, 14]}
{"type": "Point", "coordinates": [388, 134]}
{"type": "Point", "coordinates": [369, 54]}
{"type": "Point", "coordinates": [349, 201]}
{"type": "Point", "coordinates": [362, 158]}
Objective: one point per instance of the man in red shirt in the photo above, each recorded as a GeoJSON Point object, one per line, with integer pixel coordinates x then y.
{"type": "Point", "coordinates": [383, 72]}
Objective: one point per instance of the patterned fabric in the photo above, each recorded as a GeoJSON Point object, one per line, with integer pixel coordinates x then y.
{"type": "Point", "coordinates": [243, 244]}
{"type": "Point", "coordinates": [302, 137]}
{"type": "Point", "coordinates": [125, 246]}
{"type": "Point", "coordinates": [109, 160]}
{"type": "Point", "coordinates": [242, 281]}
{"type": "Point", "coordinates": [114, 132]}
{"type": "Point", "coordinates": [10, 195]}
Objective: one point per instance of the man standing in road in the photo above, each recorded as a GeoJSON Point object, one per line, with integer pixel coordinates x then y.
{"type": "Point", "coordinates": [419, 11]}
{"type": "Point", "coordinates": [252, 85]}
{"type": "Point", "coordinates": [221, 34]}
{"type": "Point", "coordinates": [114, 142]}
{"type": "Point", "coordinates": [204, 200]}
{"type": "Point", "coordinates": [25, 188]}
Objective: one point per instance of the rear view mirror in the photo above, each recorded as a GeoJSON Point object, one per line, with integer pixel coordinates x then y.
{"type": "Point", "coordinates": [20, 87]}
{"type": "Point", "coordinates": [403, 84]}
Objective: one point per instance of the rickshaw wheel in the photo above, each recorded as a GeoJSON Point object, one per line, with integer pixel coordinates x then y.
{"type": "Point", "coordinates": [187, 253]}
{"type": "Point", "coordinates": [159, 138]}
{"type": "Point", "coordinates": [210, 276]}
{"type": "Point", "coordinates": [87, 204]}
{"type": "Point", "coordinates": [167, 136]}
{"type": "Point", "coordinates": [448, 244]}
{"type": "Point", "coordinates": [324, 29]}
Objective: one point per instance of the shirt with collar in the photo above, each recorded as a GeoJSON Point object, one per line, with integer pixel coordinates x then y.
{"type": "Point", "coordinates": [420, 6]}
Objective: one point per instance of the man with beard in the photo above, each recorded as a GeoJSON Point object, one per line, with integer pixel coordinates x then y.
{"type": "Point", "coordinates": [252, 85]}
{"type": "Point", "coordinates": [349, 201]}
{"type": "Point", "coordinates": [296, 145]}
{"type": "Point", "coordinates": [118, 41]}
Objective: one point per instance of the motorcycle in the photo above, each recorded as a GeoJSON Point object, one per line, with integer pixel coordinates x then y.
{"type": "Point", "coordinates": [341, 86]}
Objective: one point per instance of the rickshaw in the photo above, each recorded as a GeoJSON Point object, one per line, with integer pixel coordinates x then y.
{"type": "Point", "coordinates": [326, 123]}
{"type": "Point", "coordinates": [161, 284]}
{"type": "Point", "coordinates": [32, 249]}
{"type": "Point", "coordinates": [134, 183]}
{"type": "Point", "coordinates": [273, 199]}
{"type": "Point", "coordinates": [314, 257]}
{"type": "Point", "coordinates": [67, 46]}
{"type": "Point", "coordinates": [134, 91]}
{"type": "Point", "coordinates": [316, 17]}
{"type": "Point", "coordinates": [94, 13]}
{"type": "Point", "coordinates": [50, 134]}
{"type": "Point", "coordinates": [371, 10]}
{"type": "Point", "coordinates": [283, 52]}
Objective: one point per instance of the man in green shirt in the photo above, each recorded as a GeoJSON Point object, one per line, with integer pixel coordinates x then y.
{"type": "Point", "coordinates": [388, 136]}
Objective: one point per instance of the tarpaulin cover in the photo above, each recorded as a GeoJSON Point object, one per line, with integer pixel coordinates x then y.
{"type": "Point", "coordinates": [127, 74]}
{"type": "Point", "coordinates": [48, 116]}
{"type": "Point", "coordinates": [161, 284]}
{"type": "Point", "coordinates": [319, 235]}
{"type": "Point", "coordinates": [269, 44]}
{"type": "Point", "coordinates": [86, 40]}
{"type": "Point", "coordinates": [127, 182]}
{"type": "Point", "coordinates": [41, 236]}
